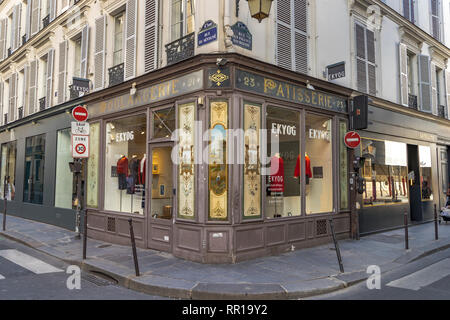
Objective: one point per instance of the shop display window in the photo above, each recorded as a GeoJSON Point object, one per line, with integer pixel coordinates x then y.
{"type": "Point", "coordinates": [92, 166]}
{"type": "Point", "coordinates": [318, 173]}
{"type": "Point", "coordinates": [186, 167]}
{"type": "Point", "coordinates": [343, 166]}
{"type": "Point", "coordinates": [8, 170]}
{"type": "Point", "coordinates": [426, 184]}
{"type": "Point", "coordinates": [33, 190]}
{"type": "Point", "coordinates": [385, 172]}
{"type": "Point", "coordinates": [162, 182]}
{"type": "Point", "coordinates": [218, 169]}
{"type": "Point", "coordinates": [283, 178]}
{"type": "Point", "coordinates": [252, 165]}
{"type": "Point", "coordinates": [124, 169]}
{"type": "Point", "coordinates": [163, 123]}
{"type": "Point", "coordinates": [64, 177]}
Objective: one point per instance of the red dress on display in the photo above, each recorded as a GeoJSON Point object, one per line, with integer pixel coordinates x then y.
{"type": "Point", "coordinates": [307, 166]}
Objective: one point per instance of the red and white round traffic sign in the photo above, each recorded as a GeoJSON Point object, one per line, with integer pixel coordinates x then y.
{"type": "Point", "coordinates": [352, 139]}
{"type": "Point", "coordinates": [80, 149]}
{"type": "Point", "coordinates": [80, 113]}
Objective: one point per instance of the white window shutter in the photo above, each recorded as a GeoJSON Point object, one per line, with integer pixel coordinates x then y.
{"type": "Point", "coordinates": [130, 39]}
{"type": "Point", "coordinates": [3, 27]}
{"type": "Point", "coordinates": [35, 16]}
{"type": "Point", "coordinates": [52, 4]}
{"type": "Point", "coordinates": [361, 65]}
{"type": "Point", "coordinates": [84, 51]}
{"type": "Point", "coordinates": [26, 77]}
{"type": "Point", "coordinates": [300, 17]}
{"type": "Point", "coordinates": [1, 102]}
{"type": "Point", "coordinates": [151, 35]}
{"type": "Point", "coordinates": [62, 72]}
{"type": "Point", "coordinates": [18, 21]}
{"type": "Point", "coordinates": [49, 78]}
{"type": "Point", "coordinates": [447, 86]}
{"type": "Point", "coordinates": [28, 21]}
{"type": "Point", "coordinates": [12, 97]}
{"type": "Point", "coordinates": [435, 19]}
{"type": "Point", "coordinates": [425, 83]}
{"type": "Point", "coordinates": [32, 94]}
{"type": "Point", "coordinates": [284, 34]}
{"type": "Point", "coordinates": [403, 54]}
{"type": "Point", "coordinates": [371, 67]}
{"type": "Point", "coordinates": [434, 97]}
{"type": "Point", "coordinates": [99, 54]}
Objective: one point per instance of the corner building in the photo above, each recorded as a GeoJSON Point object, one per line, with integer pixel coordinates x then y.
{"type": "Point", "coordinates": [202, 69]}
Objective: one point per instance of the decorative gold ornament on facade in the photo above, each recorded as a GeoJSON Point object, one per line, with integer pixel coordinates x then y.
{"type": "Point", "coordinates": [218, 78]}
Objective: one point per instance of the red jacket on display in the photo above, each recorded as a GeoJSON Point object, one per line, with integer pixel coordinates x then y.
{"type": "Point", "coordinates": [122, 166]}
{"type": "Point", "coordinates": [307, 165]}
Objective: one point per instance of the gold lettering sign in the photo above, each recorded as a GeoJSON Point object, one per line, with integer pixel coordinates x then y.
{"type": "Point", "coordinates": [164, 90]}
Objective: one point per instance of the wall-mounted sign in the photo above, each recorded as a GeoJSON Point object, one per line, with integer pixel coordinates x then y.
{"type": "Point", "coordinates": [80, 146]}
{"type": "Point", "coordinates": [255, 83]}
{"type": "Point", "coordinates": [242, 36]}
{"type": "Point", "coordinates": [207, 34]}
{"type": "Point", "coordinates": [165, 90]}
{"type": "Point", "coordinates": [79, 87]}
{"type": "Point", "coordinates": [336, 71]}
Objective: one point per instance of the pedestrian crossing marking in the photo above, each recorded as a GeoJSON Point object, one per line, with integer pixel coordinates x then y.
{"type": "Point", "coordinates": [424, 277]}
{"type": "Point", "coordinates": [28, 262]}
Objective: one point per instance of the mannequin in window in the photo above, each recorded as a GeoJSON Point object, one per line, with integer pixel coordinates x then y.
{"type": "Point", "coordinates": [308, 172]}
{"type": "Point", "coordinates": [122, 172]}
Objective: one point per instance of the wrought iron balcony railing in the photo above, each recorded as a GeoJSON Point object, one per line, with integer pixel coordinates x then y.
{"type": "Point", "coordinates": [46, 21]}
{"type": "Point", "coordinates": [42, 104]}
{"type": "Point", "coordinates": [180, 49]}
{"type": "Point", "coordinates": [412, 101]}
{"type": "Point", "coordinates": [116, 74]}
{"type": "Point", "coordinates": [441, 111]}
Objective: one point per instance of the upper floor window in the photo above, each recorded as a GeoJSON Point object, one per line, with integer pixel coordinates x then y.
{"type": "Point", "coordinates": [365, 60]}
{"type": "Point", "coordinates": [182, 18]}
{"type": "Point", "coordinates": [408, 10]}
{"type": "Point", "coordinates": [292, 35]}
{"type": "Point", "coordinates": [119, 21]}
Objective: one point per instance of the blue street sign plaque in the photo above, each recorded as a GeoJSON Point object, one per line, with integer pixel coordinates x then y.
{"type": "Point", "coordinates": [242, 36]}
{"type": "Point", "coordinates": [208, 33]}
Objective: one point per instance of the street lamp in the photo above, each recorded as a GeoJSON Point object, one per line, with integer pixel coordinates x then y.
{"type": "Point", "coordinates": [259, 9]}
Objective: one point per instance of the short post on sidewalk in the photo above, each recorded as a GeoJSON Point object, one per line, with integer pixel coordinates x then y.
{"type": "Point", "coordinates": [406, 231]}
{"type": "Point", "coordinates": [85, 233]}
{"type": "Point", "coordinates": [133, 244]}
{"type": "Point", "coordinates": [336, 246]}
{"type": "Point", "coordinates": [436, 227]}
{"type": "Point", "coordinates": [5, 194]}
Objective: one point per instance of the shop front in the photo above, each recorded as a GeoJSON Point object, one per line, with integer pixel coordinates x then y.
{"type": "Point", "coordinates": [219, 164]}
{"type": "Point", "coordinates": [405, 170]}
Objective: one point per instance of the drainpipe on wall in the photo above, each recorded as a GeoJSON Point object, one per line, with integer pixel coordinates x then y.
{"type": "Point", "coordinates": [227, 24]}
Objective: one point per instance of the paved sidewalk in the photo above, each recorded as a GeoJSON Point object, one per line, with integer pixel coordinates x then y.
{"type": "Point", "coordinates": [295, 274]}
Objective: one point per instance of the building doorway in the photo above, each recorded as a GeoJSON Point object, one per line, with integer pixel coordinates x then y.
{"type": "Point", "coordinates": [160, 197]}
{"type": "Point", "coordinates": [415, 200]}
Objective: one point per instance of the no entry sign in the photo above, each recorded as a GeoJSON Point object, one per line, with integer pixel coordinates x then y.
{"type": "Point", "coordinates": [80, 113]}
{"type": "Point", "coordinates": [80, 146]}
{"type": "Point", "coordinates": [352, 139]}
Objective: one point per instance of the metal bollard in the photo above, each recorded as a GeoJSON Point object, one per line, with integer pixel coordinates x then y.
{"type": "Point", "coordinates": [133, 244]}
{"type": "Point", "coordinates": [436, 228]}
{"type": "Point", "coordinates": [336, 245]}
{"type": "Point", "coordinates": [6, 202]}
{"type": "Point", "coordinates": [85, 234]}
{"type": "Point", "coordinates": [406, 231]}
